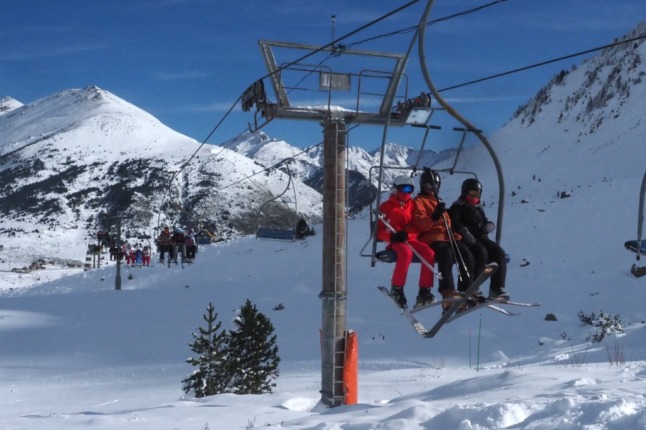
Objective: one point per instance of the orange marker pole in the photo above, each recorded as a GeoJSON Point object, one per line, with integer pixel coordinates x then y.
{"type": "Point", "coordinates": [351, 368]}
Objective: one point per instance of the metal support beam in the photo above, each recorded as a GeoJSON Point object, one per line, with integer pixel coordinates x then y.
{"type": "Point", "coordinates": [333, 293]}
{"type": "Point", "coordinates": [117, 278]}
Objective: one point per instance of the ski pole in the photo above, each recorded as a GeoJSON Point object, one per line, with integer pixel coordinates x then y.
{"type": "Point", "coordinates": [452, 241]}
{"type": "Point", "coordinates": [382, 218]}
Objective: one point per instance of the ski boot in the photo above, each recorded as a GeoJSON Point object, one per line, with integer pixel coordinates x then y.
{"type": "Point", "coordinates": [424, 297]}
{"type": "Point", "coordinates": [498, 294]}
{"type": "Point", "coordinates": [397, 293]}
{"type": "Point", "coordinates": [447, 304]}
{"type": "Point", "coordinates": [638, 271]}
{"type": "Point", "coordinates": [478, 297]}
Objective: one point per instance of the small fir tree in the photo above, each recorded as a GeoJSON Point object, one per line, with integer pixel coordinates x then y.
{"type": "Point", "coordinates": [253, 352]}
{"type": "Point", "coordinates": [212, 375]}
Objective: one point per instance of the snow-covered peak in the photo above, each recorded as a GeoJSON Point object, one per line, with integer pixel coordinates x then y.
{"type": "Point", "coordinates": [7, 104]}
{"type": "Point", "coordinates": [79, 109]}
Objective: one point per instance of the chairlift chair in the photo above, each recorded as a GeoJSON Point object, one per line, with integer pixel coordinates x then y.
{"type": "Point", "coordinates": [277, 232]}
{"type": "Point", "coordinates": [418, 117]}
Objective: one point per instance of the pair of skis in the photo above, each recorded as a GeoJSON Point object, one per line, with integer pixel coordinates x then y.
{"type": "Point", "coordinates": [452, 313]}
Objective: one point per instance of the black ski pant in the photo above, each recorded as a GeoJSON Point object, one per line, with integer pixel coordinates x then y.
{"type": "Point", "coordinates": [485, 251]}
{"type": "Point", "coordinates": [163, 249]}
{"type": "Point", "coordinates": [445, 257]}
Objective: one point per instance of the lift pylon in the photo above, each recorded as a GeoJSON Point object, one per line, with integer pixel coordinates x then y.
{"type": "Point", "coordinates": [371, 86]}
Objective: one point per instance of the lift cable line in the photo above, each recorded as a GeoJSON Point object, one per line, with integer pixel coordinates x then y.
{"type": "Point", "coordinates": [543, 63]}
{"type": "Point", "coordinates": [435, 21]}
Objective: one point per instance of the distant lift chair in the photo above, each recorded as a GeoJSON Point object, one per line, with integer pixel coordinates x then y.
{"type": "Point", "coordinates": [638, 246]}
{"type": "Point", "coordinates": [278, 232]}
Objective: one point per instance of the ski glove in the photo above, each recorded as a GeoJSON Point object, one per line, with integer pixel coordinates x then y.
{"type": "Point", "coordinates": [467, 237]}
{"type": "Point", "coordinates": [439, 210]}
{"type": "Point", "coordinates": [399, 237]}
{"type": "Point", "coordinates": [488, 227]}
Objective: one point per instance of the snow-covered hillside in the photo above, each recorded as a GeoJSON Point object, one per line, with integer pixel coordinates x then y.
{"type": "Point", "coordinates": [71, 163]}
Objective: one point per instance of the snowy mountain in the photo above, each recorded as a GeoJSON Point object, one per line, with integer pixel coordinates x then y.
{"type": "Point", "coordinates": [71, 163]}
{"type": "Point", "coordinates": [307, 163]}
{"type": "Point", "coordinates": [363, 172]}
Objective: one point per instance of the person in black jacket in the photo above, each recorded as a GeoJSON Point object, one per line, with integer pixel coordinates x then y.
{"type": "Point", "coordinates": [470, 221]}
{"type": "Point", "coordinates": [178, 244]}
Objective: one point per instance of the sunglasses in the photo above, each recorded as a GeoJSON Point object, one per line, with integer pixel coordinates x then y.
{"type": "Point", "coordinates": [406, 188]}
{"type": "Point", "coordinates": [474, 193]}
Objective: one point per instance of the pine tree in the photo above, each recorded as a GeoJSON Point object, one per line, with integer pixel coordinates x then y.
{"type": "Point", "coordinates": [253, 352]}
{"type": "Point", "coordinates": [212, 375]}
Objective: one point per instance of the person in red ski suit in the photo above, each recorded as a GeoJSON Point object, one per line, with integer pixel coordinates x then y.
{"type": "Point", "coordinates": [146, 256]}
{"type": "Point", "coordinates": [129, 254]}
{"type": "Point", "coordinates": [398, 212]}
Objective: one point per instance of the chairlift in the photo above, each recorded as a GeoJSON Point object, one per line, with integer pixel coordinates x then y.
{"type": "Point", "coordinates": [277, 230]}
{"type": "Point", "coordinates": [418, 117]}
{"type": "Point", "coordinates": [638, 246]}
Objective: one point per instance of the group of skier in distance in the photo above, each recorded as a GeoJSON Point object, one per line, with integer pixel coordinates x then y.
{"type": "Point", "coordinates": [423, 225]}
{"type": "Point", "coordinates": [177, 243]}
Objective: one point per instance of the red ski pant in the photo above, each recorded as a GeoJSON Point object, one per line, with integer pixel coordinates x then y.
{"type": "Point", "coordinates": [404, 258]}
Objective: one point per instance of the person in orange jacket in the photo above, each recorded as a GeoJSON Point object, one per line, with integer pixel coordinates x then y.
{"type": "Point", "coordinates": [398, 212]}
{"type": "Point", "coordinates": [431, 220]}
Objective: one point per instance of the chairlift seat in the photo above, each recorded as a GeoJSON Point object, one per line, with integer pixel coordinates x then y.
{"type": "Point", "coordinates": [633, 245]}
{"type": "Point", "coordinates": [203, 240]}
{"type": "Point", "coordinates": [276, 233]}
{"type": "Point", "coordinates": [390, 256]}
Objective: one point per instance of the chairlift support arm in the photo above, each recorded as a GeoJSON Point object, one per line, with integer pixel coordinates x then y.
{"type": "Point", "coordinates": [422, 57]}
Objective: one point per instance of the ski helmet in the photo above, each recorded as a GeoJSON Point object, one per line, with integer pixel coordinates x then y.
{"type": "Point", "coordinates": [430, 177]}
{"type": "Point", "coordinates": [471, 184]}
{"type": "Point", "coordinates": [405, 182]}
{"type": "Point", "coordinates": [402, 180]}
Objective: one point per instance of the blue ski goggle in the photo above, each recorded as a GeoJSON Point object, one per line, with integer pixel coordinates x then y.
{"type": "Point", "coordinates": [406, 188]}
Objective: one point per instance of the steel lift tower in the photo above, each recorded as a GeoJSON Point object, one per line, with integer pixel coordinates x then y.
{"type": "Point", "coordinates": [369, 87]}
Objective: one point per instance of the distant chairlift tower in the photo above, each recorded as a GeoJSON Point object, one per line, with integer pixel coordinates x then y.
{"type": "Point", "coordinates": [369, 87]}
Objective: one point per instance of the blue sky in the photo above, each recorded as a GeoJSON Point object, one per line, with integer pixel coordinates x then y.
{"type": "Point", "coordinates": [187, 61]}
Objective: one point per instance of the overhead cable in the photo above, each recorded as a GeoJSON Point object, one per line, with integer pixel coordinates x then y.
{"type": "Point", "coordinates": [543, 63]}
